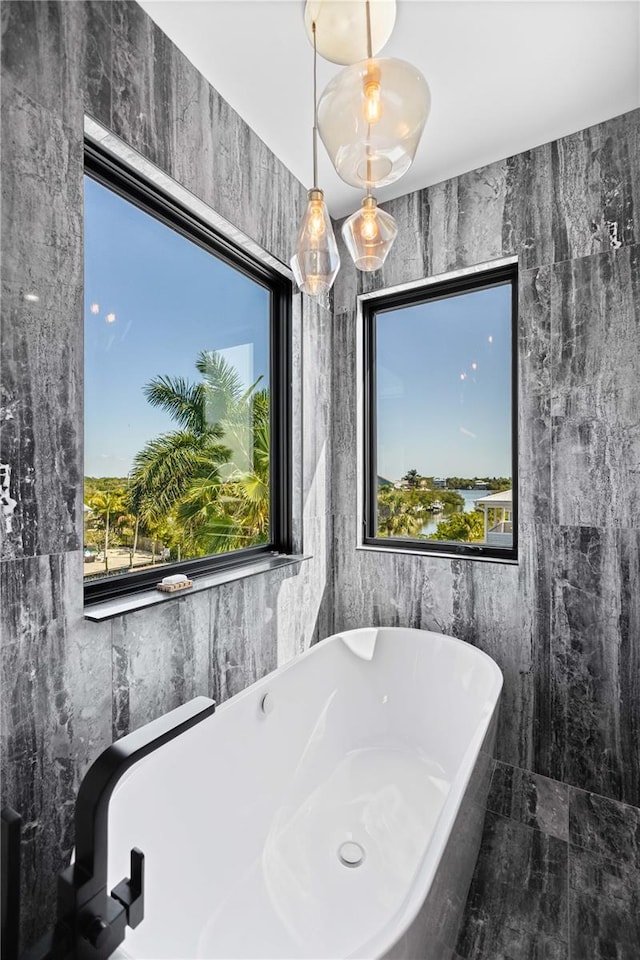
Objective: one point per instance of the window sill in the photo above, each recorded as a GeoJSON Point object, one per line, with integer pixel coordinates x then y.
{"type": "Point", "coordinates": [374, 548]}
{"type": "Point", "coordinates": [117, 606]}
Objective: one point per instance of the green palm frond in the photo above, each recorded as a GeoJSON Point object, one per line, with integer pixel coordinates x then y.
{"type": "Point", "coordinates": [184, 401]}
{"type": "Point", "coordinates": [164, 469]}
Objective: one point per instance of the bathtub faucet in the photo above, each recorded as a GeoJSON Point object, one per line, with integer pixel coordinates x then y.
{"type": "Point", "coordinates": [90, 922]}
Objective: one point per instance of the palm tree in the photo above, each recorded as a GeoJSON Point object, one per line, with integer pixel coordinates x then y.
{"type": "Point", "coordinates": [397, 515]}
{"type": "Point", "coordinates": [212, 474]}
{"type": "Point", "coordinates": [107, 507]}
{"type": "Point", "coordinates": [411, 478]}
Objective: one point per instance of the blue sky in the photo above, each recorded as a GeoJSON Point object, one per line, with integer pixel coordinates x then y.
{"type": "Point", "coordinates": [444, 387]}
{"type": "Point", "coordinates": [171, 299]}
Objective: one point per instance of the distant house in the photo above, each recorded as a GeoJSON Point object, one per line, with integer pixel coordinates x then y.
{"type": "Point", "coordinates": [439, 483]}
{"type": "Point", "coordinates": [480, 485]}
{"type": "Point", "coordinates": [501, 533]}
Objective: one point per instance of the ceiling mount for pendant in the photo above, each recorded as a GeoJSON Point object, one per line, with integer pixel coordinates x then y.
{"type": "Point", "coordinates": [341, 27]}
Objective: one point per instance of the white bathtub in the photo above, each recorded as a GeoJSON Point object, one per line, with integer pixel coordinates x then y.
{"type": "Point", "coordinates": [381, 737]}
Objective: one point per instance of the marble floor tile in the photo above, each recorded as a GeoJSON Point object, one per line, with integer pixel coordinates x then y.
{"type": "Point", "coordinates": [512, 943]}
{"type": "Point", "coordinates": [604, 908]}
{"type": "Point", "coordinates": [605, 827]}
{"type": "Point", "coordinates": [517, 904]}
{"type": "Point", "coordinates": [530, 799]}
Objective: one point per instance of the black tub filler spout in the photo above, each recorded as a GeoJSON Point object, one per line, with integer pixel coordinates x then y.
{"type": "Point", "coordinates": [90, 922]}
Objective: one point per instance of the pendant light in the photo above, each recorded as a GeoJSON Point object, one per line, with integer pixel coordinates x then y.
{"type": "Point", "coordinates": [341, 32]}
{"type": "Point", "coordinates": [369, 234]}
{"type": "Point", "coordinates": [316, 261]}
{"type": "Point", "coordinates": [371, 117]}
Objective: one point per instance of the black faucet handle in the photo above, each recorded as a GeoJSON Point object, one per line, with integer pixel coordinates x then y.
{"type": "Point", "coordinates": [130, 893]}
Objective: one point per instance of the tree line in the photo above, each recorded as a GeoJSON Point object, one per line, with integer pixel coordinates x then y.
{"type": "Point", "coordinates": [495, 484]}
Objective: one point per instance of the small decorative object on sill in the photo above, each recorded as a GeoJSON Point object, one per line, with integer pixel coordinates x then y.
{"type": "Point", "coordinates": [174, 583]}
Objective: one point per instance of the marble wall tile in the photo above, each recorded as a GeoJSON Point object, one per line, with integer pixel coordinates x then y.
{"type": "Point", "coordinates": [486, 616]}
{"type": "Point", "coordinates": [55, 682]}
{"type": "Point", "coordinates": [388, 589]}
{"type": "Point", "coordinates": [41, 352]}
{"type": "Point", "coordinates": [605, 827]}
{"type": "Point", "coordinates": [604, 907]}
{"type": "Point", "coordinates": [317, 339]}
{"type": "Point", "coordinates": [246, 620]}
{"type": "Point", "coordinates": [305, 604]}
{"type": "Point", "coordinates": [464, 222]}
{"type": "Point", "coordinates": [596, 188]}
{"type": "Point", "coordinates": [142, 110]}
{"type": "Point", "coordinates": [595, 660]}
{"type": "Point", "coordinates": [344, 409]}
{"type": "Point", "coordinates": [530, 799]}
{"type": "Point", "coordinates": [534, 394]}
{"type": "Point", "coordinates": [517, 906]}
{"type": "Point", "coordinates": [59, 55]}
{"type": "Point", "coordinates": [596, 399]}
{"type": "Point", "coordinates": [161, 658]}
{"type": "Point", "coordinates": [406, 259]}
{"type": "Point", "coordinates": [534, 600]}
{"type": "Point", "coordinates": [527, 219]}
{"type": "Point", "coordinates": [168, 112]}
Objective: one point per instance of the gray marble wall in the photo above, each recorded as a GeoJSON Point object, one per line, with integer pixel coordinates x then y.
{"type": "Point", "coordinates": [564, 625]}
{"type": "Point", "coordinates": [68, 686]}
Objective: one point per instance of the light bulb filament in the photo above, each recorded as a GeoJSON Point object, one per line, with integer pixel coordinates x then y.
{"type": "Point", "coordinates": [369, 230]}
{"type": "Point", "coordinates": [372, 101]}
{"type": "Point", "coordinates": [315, 222]}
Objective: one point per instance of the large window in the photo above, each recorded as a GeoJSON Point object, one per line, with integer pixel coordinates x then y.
{"type": "Point", "coordinates": [186, 380]}
{"type": "Point", "coordinates": [440, 414]}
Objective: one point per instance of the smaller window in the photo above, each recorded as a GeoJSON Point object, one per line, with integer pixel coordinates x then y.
{"type": "Point", "coordinates": [440, 417]}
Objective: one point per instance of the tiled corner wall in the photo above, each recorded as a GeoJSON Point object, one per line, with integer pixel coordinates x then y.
{"type": "Point", "coordinates": [564, 625]}
{"type": "Point", "coordinates": [68, 686]}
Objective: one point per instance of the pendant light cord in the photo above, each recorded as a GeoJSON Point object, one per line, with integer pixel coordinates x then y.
{"type": "Point", "coordinates": [315, 109]}
{"type": "Point", "coordinates": [369, 56]}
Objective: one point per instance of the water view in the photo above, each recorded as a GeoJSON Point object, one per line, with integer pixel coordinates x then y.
{"type": "Point", "coordinates": [469, 497]}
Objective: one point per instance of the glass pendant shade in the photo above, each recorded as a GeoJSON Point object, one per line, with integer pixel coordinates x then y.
{"type": "Point", "coordinates": [341, 27]}
{"type": "Point", "coordinates": [369, 234]}
{"type": "Point", "coordinates": [371, 117]}
{"type": "Point", "coordinates": [316, 261]}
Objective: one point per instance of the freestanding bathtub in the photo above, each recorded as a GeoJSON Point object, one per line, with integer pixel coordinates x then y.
{"type": "Point", "coordinates": [333, 809]}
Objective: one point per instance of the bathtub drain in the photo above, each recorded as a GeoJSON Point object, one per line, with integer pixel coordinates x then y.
{"type": "Point", "coordinates": [350, 853]}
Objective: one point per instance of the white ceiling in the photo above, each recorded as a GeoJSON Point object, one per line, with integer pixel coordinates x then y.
{"type": "Point", "coordinates": [505, 75]}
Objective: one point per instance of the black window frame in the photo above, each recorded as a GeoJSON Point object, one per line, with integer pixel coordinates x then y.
{"type": "Point", "coordinates": [112, 173]}
{"type": "Point", "coordinates": [384, 303]}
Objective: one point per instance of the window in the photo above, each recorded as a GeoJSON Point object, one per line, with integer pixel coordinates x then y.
{"type": "Point", "coordinates": [186, 391]}
{"type": "Point", "coordinates": [440, 415]}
